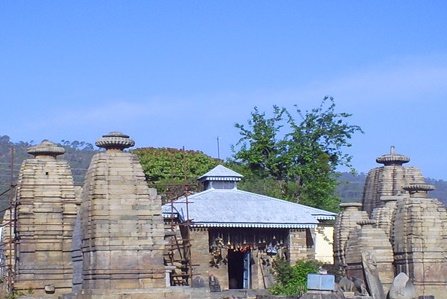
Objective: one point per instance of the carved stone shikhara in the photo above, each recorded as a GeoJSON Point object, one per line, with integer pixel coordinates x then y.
{"type": "Point", "coordinates": [420, 240]}
{"type": "Point", "coordinates": [107, 244]}
{"type": "Point", "coordinates": [407, 231]}
{"type": "Point", "coordinates": [122, 230]}
{"type": "Point", "coordinates": [388, 180]}
{"type": "Point", "coordinates": [46, 210]}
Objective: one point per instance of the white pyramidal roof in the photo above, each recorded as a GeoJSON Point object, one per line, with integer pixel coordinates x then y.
{"type": "Point", "coordinates": [237, 208]}
{"type": "Point", "coordinates": [221, 173]}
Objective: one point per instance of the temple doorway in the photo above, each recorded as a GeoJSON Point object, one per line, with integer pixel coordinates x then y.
{"type": "Point", "coordinates": [239, 269]}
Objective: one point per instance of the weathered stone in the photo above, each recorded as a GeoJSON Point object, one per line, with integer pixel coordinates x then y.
{"type": "Point", "coordinates": [420, 241]}
{"type": "Point", "coordinates": [383, 216]}
{"type": "Point", "coordinates": [346, 285]}
{"type": "Point", "coordinates": [46, 212]}
{"type": "Point", "coordinates": [347, 221]}
{"type": "Point", "coordinates": [121, 249]}
{"type": "Point", "coordinates": [375, 286]}
{"type": "Point", "coordinates": [402, 288]}
{"type": "Point", "coordinates": [372, 240]}
{"type": "Point", "coordinates": [388, 180]}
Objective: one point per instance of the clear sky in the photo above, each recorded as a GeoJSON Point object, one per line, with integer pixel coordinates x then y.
{"type": "Point", "coordinates": [182, 73]}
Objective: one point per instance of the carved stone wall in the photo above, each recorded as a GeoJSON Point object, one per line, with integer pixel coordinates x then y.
{"type": "Point", "coordinates": [369, 239]}
{"type": "Point", "coordinates": [46, 210]}
{"type": "Point", "coordinates": [384, 216]}
{"type": "Point", "coordinates": [347, 221]}
{"type": "Point", "coordinates": [121, 224]}
{"type": "Point", "coordinates": [420, 240]}
{"type": "Point", "coordinates": [388, 180]}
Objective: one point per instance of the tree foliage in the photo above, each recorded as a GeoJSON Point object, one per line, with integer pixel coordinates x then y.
{"type": "Point", "coordinates": [292, 280]}
{"type": "Point", "coordinates": [298, 152]}
{"type": "Point", "coordinates": [170, 170]}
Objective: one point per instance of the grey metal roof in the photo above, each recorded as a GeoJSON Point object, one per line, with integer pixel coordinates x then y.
{"type": "Point", "coordinates": [237, 208]}
{"type": "Point", "coordinates": [221, 173]}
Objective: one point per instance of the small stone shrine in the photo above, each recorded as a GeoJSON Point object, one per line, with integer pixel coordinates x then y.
{"type": "Point", "coordinates": [420, 241]}
{"type": "Point", "coordinates": [406, 236]}
{"type": "Point", "coordinates": [46, 210]}
{"type": "Point", "coordinates": [346, 222]}
{"type": "Point", "coordinates": [122, 229]}
{"type": "Point", "coordinates": [106, 243]}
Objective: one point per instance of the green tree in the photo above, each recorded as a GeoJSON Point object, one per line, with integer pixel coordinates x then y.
{"type": "Point", "coordinates": [292, 280]}
{"type": "Point", "coordinates": [300, 158]}
{"type": "Point", "coordinates": [171, 170]}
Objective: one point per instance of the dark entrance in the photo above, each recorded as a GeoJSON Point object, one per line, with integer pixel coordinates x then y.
{"type": "Point", "coordinates": [239, 274]}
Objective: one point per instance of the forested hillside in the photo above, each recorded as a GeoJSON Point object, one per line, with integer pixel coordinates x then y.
{"type": "Point", "coordinates": [78, 155]}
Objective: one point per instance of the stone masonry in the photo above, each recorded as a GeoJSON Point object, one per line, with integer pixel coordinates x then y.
{"type": "Point", "coordinates": [346, 222]}
{"type": "Point", "coordinates": [420, 240]}
{"type": "Point", "coordinates": [121, 226]}
{"type": "Point", "coordinates": [46, 210]}
{"type": "Point", "coordinates": [404, 219]}
{"type": "Point", "coordinates": [383, 216]}
{"type": "Point", "coordinates": [388, 180]}
{"type": "Point", "coordinates": [368, 239]}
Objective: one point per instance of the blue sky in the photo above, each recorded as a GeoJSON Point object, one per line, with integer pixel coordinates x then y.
{"type": "Point", "coordinates": [182, 73]}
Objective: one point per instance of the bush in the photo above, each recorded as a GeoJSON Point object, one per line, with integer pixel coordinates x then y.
{"type": "Point", "coordinates": [292, 280]}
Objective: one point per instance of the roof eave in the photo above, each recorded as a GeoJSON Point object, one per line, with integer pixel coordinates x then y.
{"type": "Point", "coordinates": [254, 225]}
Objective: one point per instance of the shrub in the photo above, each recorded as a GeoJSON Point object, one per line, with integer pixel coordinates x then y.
{"type": "Point", "coordinates": [292, 280]}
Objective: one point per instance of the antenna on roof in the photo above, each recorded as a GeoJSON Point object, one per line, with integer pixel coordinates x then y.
{"type": "Point", "coordinates": [218, 148]}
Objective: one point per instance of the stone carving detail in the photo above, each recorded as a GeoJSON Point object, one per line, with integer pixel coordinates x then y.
{"type": "Point", "coordinates": [347, 220]}
{"type": "Point", "coordinates": [407, 227]}
{"type": "Point", "coordinates": [383, 216]}
{"type": "Point", "coordinates": [121, 224]}
{"type": "Point", "coordinates": [372, 275]}
{"type": "Point", "coordinates": [373, 240]}
{"type": "Point", "coordinates": [46, 212]}
{"type": "Point", "coordinates": [388, 180]}
{"type": "Point", "coordinates": [115, 140]}
{"type": "Point", "coordinates": [420, 240]}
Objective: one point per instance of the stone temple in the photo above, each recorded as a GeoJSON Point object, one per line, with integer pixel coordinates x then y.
{"type": "Point", "coordinates": [388, 180]}
{"type": "Point", "coordinates": [113, 239]}
{"type": "Point", "coordinates": [406, 233]}
{"type": "Point", "coordinates": [107, 244]}
{"type": "Point", "coordinates": [46, 209]}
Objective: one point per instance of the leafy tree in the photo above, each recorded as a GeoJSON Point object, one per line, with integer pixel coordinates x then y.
{"type": "Point", "coordinates": [300, 158]}
{"type": "Point", "coordinates": [171, 170]}
{"type": "Point", "coordinates": [292, 280]}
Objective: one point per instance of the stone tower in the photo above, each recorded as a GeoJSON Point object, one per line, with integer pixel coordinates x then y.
{"type": "Point", "coordinates": [388, 180]}
{"type": "Point", "coordinates": [46, 210]}
{"type": "Point", "coordinates": [121, 226]}
{"type": "Point", "coordinates": [347, 221]}
{"type": "Point", "coordinates": [420, 240]}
